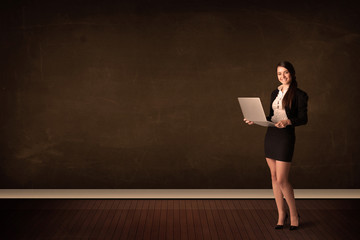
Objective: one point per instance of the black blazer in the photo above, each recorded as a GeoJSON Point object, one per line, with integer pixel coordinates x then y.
{"type": "Point", "coordinates": [298, 112]}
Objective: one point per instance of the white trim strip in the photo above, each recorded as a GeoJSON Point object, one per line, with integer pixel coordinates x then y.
{"type": "Point", "coordinates": [173, 193]}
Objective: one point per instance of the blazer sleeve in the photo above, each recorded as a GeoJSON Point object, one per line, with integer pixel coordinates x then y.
{"type": "Point", "coordinates": [272, 98]}
{"type": "Point", "coordinates": [301, 117]}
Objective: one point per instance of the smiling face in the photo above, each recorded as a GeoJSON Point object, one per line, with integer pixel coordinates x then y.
{"type": "Point", "coordinates": [284, 75]}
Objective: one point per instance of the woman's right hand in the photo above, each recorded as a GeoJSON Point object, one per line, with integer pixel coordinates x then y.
{"type": "Point", "coordinates": [248, 122]}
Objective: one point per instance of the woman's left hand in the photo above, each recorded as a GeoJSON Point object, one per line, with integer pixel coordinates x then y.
{"type": "Point", "coordinates": [283, 123]}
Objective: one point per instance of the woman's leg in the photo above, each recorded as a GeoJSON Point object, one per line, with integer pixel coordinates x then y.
{"type": "Point", "coordinates": [282, 176]}
{"type": "Point", "coordinates": [279, 197]}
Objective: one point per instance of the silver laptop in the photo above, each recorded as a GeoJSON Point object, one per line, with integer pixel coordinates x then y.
{"type": "Point", "coordinates": [253, 111]}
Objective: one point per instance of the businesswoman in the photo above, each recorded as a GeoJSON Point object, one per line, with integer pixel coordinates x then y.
{"type": "Point", "coordinates": [288, 109]}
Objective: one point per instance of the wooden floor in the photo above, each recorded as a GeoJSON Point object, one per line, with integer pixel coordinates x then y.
{"type": "Point", "coordinates": [174, 219]}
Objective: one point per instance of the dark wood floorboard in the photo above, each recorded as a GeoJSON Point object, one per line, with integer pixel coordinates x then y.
{"type": "Point", "coordinates": [266, 220]}
{"type": "Point", "coordinates": [209, 218]}
{"type": "Point", "coordinates": [142, 220]}
{"type": "Point", "coordinates": [170, 219]}
{"type": "Point", "coordinates": [122, 217]}
{"type": "Point", "coordinates": [176, 225]}
{"type": "Point", "coordinates": [174, 219]}
{"type": "Point", "coordinates": [202, 218]}
{"type": "Point", "coordinates": [198, 224]}
{"type": "Point", "coordinates": [238, 220]}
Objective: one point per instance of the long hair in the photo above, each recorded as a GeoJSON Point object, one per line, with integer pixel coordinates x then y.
{"type": "Point", "coordinates": [290, 94]}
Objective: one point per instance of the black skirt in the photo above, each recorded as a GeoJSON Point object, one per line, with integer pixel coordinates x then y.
{"type": "Point", "coordinates": [280, 143]}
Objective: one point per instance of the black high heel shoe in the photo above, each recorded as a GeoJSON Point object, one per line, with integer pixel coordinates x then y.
{"type": "Point", "coordinates": [295, 227]}
{"type": "Point", "coordinates": [282, 226]}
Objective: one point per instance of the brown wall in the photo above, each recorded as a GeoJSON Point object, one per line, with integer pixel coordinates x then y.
{"type": "Point", "coordinates": [144, 95]}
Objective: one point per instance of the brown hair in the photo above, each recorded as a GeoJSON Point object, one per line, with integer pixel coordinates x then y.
{"type": "Point", "coordinates": [290, 94]}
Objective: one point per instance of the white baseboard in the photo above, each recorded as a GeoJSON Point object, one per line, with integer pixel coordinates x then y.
{"type": "Point", "coordinates": [173, 194]}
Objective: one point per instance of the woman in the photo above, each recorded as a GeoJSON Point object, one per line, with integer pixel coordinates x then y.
{"type": "Point", "coordinates": [288, 109]}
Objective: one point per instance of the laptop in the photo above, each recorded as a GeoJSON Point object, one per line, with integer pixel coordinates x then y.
{"type": "Point", "coordinates": [253, 111]}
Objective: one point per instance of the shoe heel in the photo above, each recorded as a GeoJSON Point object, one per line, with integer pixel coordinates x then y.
{"type": "Point", "coordinates": [282, 226]}
{"type": "Point", "coordinates": [295, 227]}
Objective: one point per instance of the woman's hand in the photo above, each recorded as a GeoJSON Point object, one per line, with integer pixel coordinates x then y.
{"type": "Point", "coordinates": [283, 123]}
{"type": "Point", "coordinates": [248, 122]}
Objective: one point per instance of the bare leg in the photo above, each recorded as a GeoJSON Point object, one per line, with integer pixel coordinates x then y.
{"type": "Point", "coordinates": [282, 175]}
{"type": "Point", "coordinates": [279, 197]}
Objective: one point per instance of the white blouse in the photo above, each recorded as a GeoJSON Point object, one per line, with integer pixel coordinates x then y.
{"type": "Point", "coordinates": [277, 106]}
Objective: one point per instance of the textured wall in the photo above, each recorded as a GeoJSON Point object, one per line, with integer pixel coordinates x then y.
{"type": "Point", "coordinates": [144, 94]}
